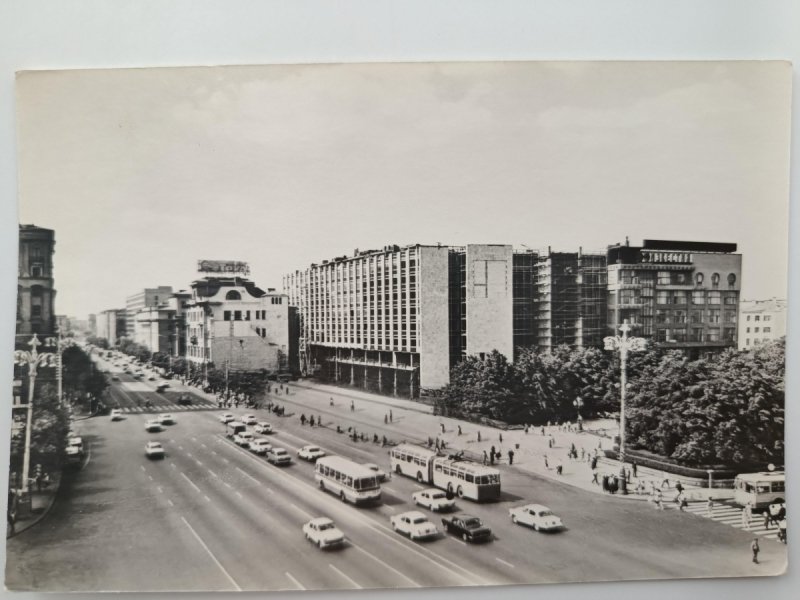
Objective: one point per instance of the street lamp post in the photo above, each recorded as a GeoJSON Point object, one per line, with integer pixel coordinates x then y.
{"type": "Point", "coordinates": [34, 359]}
{"type": "Point", "coordinates": [623, 344]}
{"type": "Point", "coordinates": [578, 404]}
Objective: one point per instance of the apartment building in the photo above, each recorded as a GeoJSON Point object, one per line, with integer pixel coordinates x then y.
{"type": "Point", "coordinates": [761, 321]}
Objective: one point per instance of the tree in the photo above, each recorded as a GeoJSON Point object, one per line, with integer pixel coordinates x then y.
{"type": "Point", "coordinates": [49, 429]}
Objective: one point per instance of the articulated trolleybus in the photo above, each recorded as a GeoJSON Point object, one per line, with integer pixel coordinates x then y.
{"type": "Point", "coordinates": [463, 478]}
{"type": "Point", "coordinates": [350, 481]}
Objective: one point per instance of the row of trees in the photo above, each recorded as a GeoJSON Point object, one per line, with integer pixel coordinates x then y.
{"type": "Point", "coordinates": [726, 409]}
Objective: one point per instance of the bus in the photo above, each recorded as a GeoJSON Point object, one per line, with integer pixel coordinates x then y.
{"type": "Point", "coordinates": [413, 461]}
{"type": "Point", "coordinates": [462, 478]}
{"type": "Point", "coordinates": [350, 481]}
{"type": "Point", "coordinates": [760, 489]}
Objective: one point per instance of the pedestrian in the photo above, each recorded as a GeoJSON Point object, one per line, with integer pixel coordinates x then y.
{"type": "Point", "coordinates": [375, 438]}
{"type": "Point", "coordinates": [331, 401]}
{"type": "Point", "coordinates": [500, 437]}
{"type": "Point", "coordinates": [709, 507]}
{"type": "Point", "coordinates": [459, 430]}
{"type": "Point", "coordinates": [303, 419]}
{"type": "Point", "coordinates": [634, 468]}
{"type": "Point", "coordinates": [766, 519]}
{"type": "Point", "coordinates": [594, 477]}
{"type": "Point", "coordinates": [319, 420]}
{"type": "Point", "coordinates": [546, 464]}
{"type": "Point", "coordinates": [311, 421]}
{"type": "Point", "coordinates": [510, 457]}
{"type": "Point", "coordinates": [384, 441]}
{"type": "Point", "coordinates": [683, 503]}
{"type": "Point", "coordinates": [479, 436]}
{"type": "Point", "coordinates": [745, 524]}
{"type": "Point", "coordinates": [679, 487]}
{"type": "Point", "coordinates": [583, 452]}
{"type": "Point", "coordinates": [352, 406]}
{"type": "Point", "coordinates": [442, 424]}
{"type": "Point", "coordinates": [491, 456]}
{"type": "Point", "coordinates": [486, 457]}
{"type": "Point", "coordinates": [385, 419]}
{"type": "Point", "coordinates": [542, 430]}
{"type": "Point", "coordinates": [754, 547]}
{"type": "Point", "coordinates": [437, 444]}
{"type": "Point", "coordinates": [665, 483]}
{"type": "Point", "coordinates": [391, 418]}
{"type": "Point", "coordinates": [559, 468]}
{"type": "Point", "coordinates": [526, 430]}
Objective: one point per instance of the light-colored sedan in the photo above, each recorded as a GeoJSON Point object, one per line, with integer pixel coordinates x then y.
{"type": "Point", "coordinates": [323, 532]}
{"type": "Point", "coordinates": [116, 414]}
{"type": "Point", "coordinates": [414, 524]}
{"type": "Point", "coordinates": [535, 515]}
{"type": "Point", "coordinates": [433, 499]}
{"type": "Point", "coordinates": [227, 417]}
{"type": "Point", "coordinates": [249, 419]}
{"type": "Point", "coordinates": [153, 425]}
{"type": "Point", "coordinates": [259, 446]}
{"type": "Point", "coordinates": [263, 427]}
{"type": "Point", "coordinates": [154, 450]}
{"type": "Point", "coordinates": [243, 439]}
{"type": "Point", "coordinates": [310, 453]}
{"type": "Point", "coordinates": [166, 419]}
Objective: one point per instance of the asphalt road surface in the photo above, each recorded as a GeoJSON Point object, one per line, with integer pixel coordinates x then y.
{"type": "Point", "coordinates": [213, 516]}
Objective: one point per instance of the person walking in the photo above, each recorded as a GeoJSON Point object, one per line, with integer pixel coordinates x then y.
{"type": "Point", "coordinates": [331, 401]}
{"type": "Point", "coordinates": [546, 464]}
{"type": "Point", "coordinates": [510, 457]}
{"type": "Point", "coordinates": [634, 468]}
{"type": "Point", "coordinates": [594, 476]}
{"type": "Point", "coordinates": [479, 436]}
{"type": "Point", "coordinates": [745, 524]}
{"type": "Point", "coordinates": [710, 507]}
{"type": "Point", "coordinates": [385, 419]}
{"type": "Point", "coordinates": [391, 418]}
{"type": "Point", "coordinates": [491, 456]}
{"type": "Point", "coordinates": [303, 419]}
{"type": "Point", "coordinates": [500, 437]}
{"type": "Point", "coordinates": [766, 519]}
{"type": "Point", "coordinates": [485, 457]}
{"type": "Point", "coordinates": [442, 425]}
{"type": "Point", "coordinates": [754, 547]}
{"type": "Point", "coordinates": [352, 406]}
{"type": "Point", "coordinates": [459, 430]}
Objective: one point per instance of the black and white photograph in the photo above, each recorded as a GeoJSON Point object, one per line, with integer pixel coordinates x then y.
{"type": "Point", "coordinates": [399, 325]}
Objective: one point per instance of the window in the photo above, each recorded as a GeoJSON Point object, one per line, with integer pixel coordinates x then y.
{"type": "Point", "coordinates": [747, 342]}
{"type": "Point", "coordinates": [662, 297]}
{"type": "Point", "coordinates": [626, 297]}
{"type": "Point", "coordinates": [226, 315]}
{"type": "Point", "coordinates": [748, 317]}
{"type": "Point", "coordinates": [233, 295]}
{"type": "Point", "coordinates": [663, 278]}
{"type": "Point", "coordinates": [730, 299]}
{"type": "Point", "coordinates": [699, 278]}
{"type": "Point", "coordinates": [237, 315]}
{"type": "Point", "coordinates": [757, 318]}
{"type": "Point", "coordinates": [756, 330]}
{"type": "Point", "coordinates": [715, 280]}
{"type": "Point", "coordinates": [680, 278]}
{"type": "Point", "coordinates": [767, 317]}
{"type": "Point", "coordinates": [36, 310]}
{"type": "Point", "coordinates": [731, 280]}
{"type": "Point", "coordinates": [36, 271]}
{"type": "Point", "coordinates": [698, 297]}
{"type": "Point", "coordinates": [713, 316]}
{"type": "Point", "coordinates": [748, 330]}
{"type": "Point", "coordinates": [679, 297]}
{"type": "Point", "coordinates": [713, 298]}
{"type": "Point", "coordinates": [767, 329]}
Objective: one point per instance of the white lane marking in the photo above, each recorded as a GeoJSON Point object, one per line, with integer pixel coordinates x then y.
{"type": "Point", "coordinates": [170, 502]}
{"type": "Point", "coordinates": [294, 581]}
{"type": "Point", "coordinates": [389, 508]}
{"type": "Point", "coordinates": [141, 467]}
{"type": "Point", "coordinates": [150, 477]}
{"type": "Point", "coordinates": [180, 447]}
{"type": "Point", "coordinates": [390, 490]}
{"type": "Point", "coordinates": [160, 491]}
{"type": "Point", "coordinates": [227, 485]}
{"type": "Point", "coordinates": [455, 539]}
{"type": "Point", "coordinates": [271, 491]}
{"type": "Point", "coordinates": [189, 454]}
{"type": "Point", "coordinates": [386, 565]}
{"type": "Point", "coordinates": [226, 460]}
{"type": "Point", "coordinates": [416, 485]}
{"type": "Point", "coordinates": [211, 554]}
{"type": "Point", "coordinates": [213, 452]}
{"type": "Point", "coordinates": [213, 474]}
{"type": "Point", "coordinates": [347, 578]}
{"type": "Point", "coordinates": [501, 561]}
{"type": "Point", "coordinates": [203, 445]}
{"type": "Point", "coordinates": [173, 465]}
{"type": "Point", "coordinates": [207, 498]}
{"type": "Point", "coordinates": [198, 462]}
{"type": "Point", "coordinates": [246, 474]}
{"type": "Point", "coordinates": [194, 439]}
{"type": "Point", "coordinates": [238, 494]}
{"type": "Point", "coordinates": [191, 482]}
{"type": "Point", "coordinates": [300, 510]}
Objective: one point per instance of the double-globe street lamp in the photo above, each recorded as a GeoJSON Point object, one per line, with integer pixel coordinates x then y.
{"type": "Point", "coordinates": [623, 344]}
{"type": "Point", "coordinates": [33, 359]}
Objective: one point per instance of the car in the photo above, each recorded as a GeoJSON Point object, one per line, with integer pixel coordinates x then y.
{"type": "Point", "coordinates": [249, 419]}
{"type": "Point", "coordinates": [310, 453]}
{"type": "Point", "coordinates": [114, 378]}
{"type": "Point", "coordinates": [166, 419]}
{"type": "Point", "coordinates": [227, 417]}
{"type": "Point", "coordinates": [75, 442]}
{"type": "Point", "coordinates": [151, 378]}
{"type": "Point", "coordinates": [185, 400]}
{"type": "Point", "coordinates": [152, 426]}
{"type": "Point", "coordinates": [263, 427]}
{"type": "Point", "coordinates": [433, 499]}
{"type": "Point", "coordinates": [380, 474]}
{"type": "Point", "coordinates": [323, 532]}
{"type": "Point", "coordinates": [154, 450]}
{"type": "Point", "coordinates": [278, 456]}
{"type": "Point", "coordinates": [468, 527]}
{"type": "Point", "coordinates": [414, 524]}
{"type": "Point", "coordinates": [243, 439]}
{"type": "Point", "coordinates": [116, 414]}
{"type": "Point", "coordinates": [163, 388]}
{"type": "Point", "coordinates": [537, 516]}
{"type": "Point", "coordinates": [260, 446]}
{"type": "Point", "coordinates": [137, 375]}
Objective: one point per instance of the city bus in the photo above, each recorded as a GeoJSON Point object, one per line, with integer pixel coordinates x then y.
{"type": "Point", "coordinates": [350, 481]}
{"type": "Point", "coordinates": [759, 489]}
{"type": "Point", "coordinates": [413, 461]}
{"type": "Point", "coordinates": [459, 477]}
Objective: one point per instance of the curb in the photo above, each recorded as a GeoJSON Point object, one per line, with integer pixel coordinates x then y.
{"type": "Point", "coordinates": [361, 399]}
{"type": "Point", "coordinates": [20, 529]}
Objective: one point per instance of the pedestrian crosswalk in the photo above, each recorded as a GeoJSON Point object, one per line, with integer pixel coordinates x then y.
{"type": "Point", "coordinates": [730, 514]}
{"type": "Point", "coordinates": [166, 408]}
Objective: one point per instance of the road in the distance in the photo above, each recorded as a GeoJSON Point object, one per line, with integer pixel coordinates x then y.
{"type": "Point", "coordinates": [212, 516]}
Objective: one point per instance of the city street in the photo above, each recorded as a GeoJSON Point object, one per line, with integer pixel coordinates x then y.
{"type": "Point", "coordinates": [213, 516]}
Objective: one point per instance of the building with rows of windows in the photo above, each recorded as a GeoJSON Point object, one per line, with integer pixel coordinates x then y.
{"type": "Point", "coordinates": [682, 295]}
{"type": "Point", "coordinates": [35, 290]}
{"type": "Point", "coordinates": [761, 321]}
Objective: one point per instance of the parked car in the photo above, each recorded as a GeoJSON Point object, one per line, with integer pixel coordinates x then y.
{"type": "Point", "coordinates": [166, 419]}
{"type": "Point", "coordinates": [537, 516]}
{"type": "Point", "coordinates": [310, 453]}
{"type": "Point", "coordinates": [380, 474]}
{"type": "Point", "coordinates": [152, 426]}
{"type": "Point", "coordinates": [249, 419]}
{"type": "Point", "coordinates": [414, 524]}
{"type": "Point", "coordinates": [469, 528]}
{"type": "Point", "coordinates": [227, 417]}
{"type": "Point", "coordinates": [433, 499]}
{"type": "Point", "coordinates": [323, 532]}
{"type": "Point", "coordinates": [260, 446]}
{"type": "Point", "coordinates": [185, 400]}
{"type": "Point", "coordinates": [278, 456]}
{"type": "Point", "coordinates": [151, 378]}
{"type": "Point", "coordinates": [114, 378]}
{"type": "Point", "coordinates": [154, 450]}
{"type": "Point", "coordinates": [243, 439]}
{"type": "Point", "coordinates": [263, 427]}
{"type": "Point", "coordinates": [75, 442]}
{"type": "Point", "coordinates": [163, 388]}
{"type": "Point", "coordinates": [116, 414]}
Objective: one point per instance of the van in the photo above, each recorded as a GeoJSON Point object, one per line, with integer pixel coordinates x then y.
{"type": "Point", "coordinates": [234, 427]}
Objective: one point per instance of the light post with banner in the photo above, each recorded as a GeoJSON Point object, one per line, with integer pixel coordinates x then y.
{"type": "Point", "coordinates": [623, 344]}
{"type": "Point", "coordinates": [33, 359]}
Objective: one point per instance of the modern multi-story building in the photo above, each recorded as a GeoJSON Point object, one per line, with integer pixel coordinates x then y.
{"type": "Point", "coordinates": [35, 290]}
{"type": "Point", "coordinates": [92, 325]}
{"type": "Point", "coordinates": [761, 321]}
{"type": "Point", "coordinates": [112, 325]}
{"type": "Point", "coordinates": [231, 323]}
{"type": "Point", "coordinates": [155, 328]}
{"type": "Point", "coordinates": [681, 295]}
{"type": "Point", "coordinates": [143, 299]}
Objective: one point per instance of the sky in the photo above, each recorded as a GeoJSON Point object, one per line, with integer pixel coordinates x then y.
{"type": "Point", "coordinates": [141, 172]}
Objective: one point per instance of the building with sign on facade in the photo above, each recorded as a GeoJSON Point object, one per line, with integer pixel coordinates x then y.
{"type": "Point", "coordinates": [35, 288]}
{"type": "Point", "coordinates": [232, 323]}
{"type": "Point", "coordinates": [761, 321]}
{"type": "Point", "coordinates": [682, 295]}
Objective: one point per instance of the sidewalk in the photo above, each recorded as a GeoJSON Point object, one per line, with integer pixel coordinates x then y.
{"type": "Point", "coordinates": [532, 451]}
{"type": "Point", "coordinates": [41, 503]}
